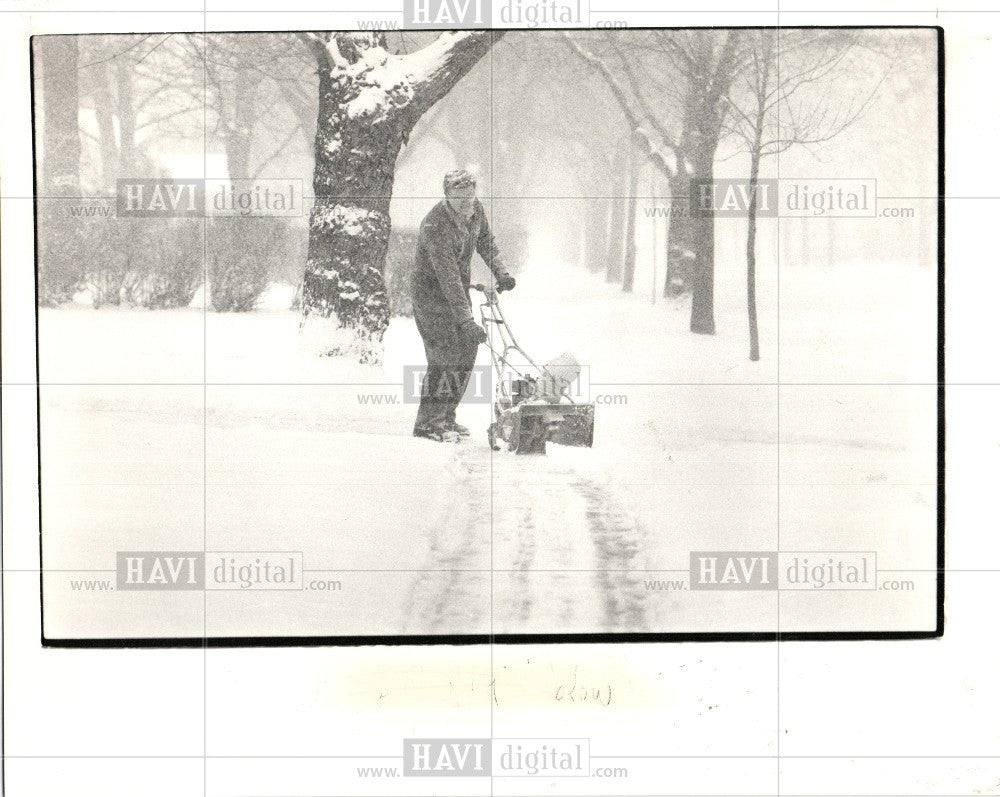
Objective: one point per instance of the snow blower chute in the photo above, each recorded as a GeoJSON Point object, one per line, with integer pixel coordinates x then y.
{"type": "Point", "coordinates": [532, 405]}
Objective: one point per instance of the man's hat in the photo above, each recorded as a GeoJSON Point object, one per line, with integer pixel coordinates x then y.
{"type": "Point", "coordinates": [459, 178]}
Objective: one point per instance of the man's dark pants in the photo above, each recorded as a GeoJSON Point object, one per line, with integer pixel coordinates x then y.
{"type": "Point", "coordinates": [451, 357]}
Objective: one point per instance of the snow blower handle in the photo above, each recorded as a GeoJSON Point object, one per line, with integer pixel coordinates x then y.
{"type": "Point", "coordinates": [489, 293]}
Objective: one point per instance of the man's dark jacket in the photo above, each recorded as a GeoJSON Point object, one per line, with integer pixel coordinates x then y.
{"type": "Point", "coordinates": [441, 275]}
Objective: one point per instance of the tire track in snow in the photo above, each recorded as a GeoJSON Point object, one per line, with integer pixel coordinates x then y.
{"type": "Point", "coordinates": [617, 540]}
{"type": "Point", "coordinates": [535, 512]}
{"type": "Point", "coordinates": [451, 595]}
{"type": "Point", "coordinates": [558, 538]}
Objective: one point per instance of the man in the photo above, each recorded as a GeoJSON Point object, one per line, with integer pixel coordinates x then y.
{"type": "Point", "coordinates": [441, 305]}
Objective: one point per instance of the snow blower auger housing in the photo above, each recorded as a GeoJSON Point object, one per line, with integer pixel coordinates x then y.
{"type": "Point", "coordinates": [531, 404]}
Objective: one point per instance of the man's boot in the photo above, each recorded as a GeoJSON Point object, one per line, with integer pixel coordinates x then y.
{"type": "Point", "coordinates": [437, 435]}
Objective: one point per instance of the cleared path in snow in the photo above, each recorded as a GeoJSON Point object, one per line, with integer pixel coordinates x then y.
{"type": "Point", "coordinates": [530, 545]}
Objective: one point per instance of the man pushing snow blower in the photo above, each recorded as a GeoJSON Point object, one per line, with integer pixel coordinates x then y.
{"type": "Point", "coordinates": [449, 233]}
{"type": "Point", "coordinates": [532, 405]}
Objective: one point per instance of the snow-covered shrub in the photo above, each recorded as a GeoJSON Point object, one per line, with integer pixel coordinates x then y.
{"type": "Point", "coordinates": [108, 263]}
{"type": "Point", "coordinates": [146, 262]}
{"type": "Point", "coordinates": [680, 270]}
{"type": "Point", "coordinates": [243, 253]}
{"type": "Point", "coordinates": [290, 263]}
{"type": "Point", "coordinates": [173, 264]}
{"type": "Point", "coordinates": [62, 240]}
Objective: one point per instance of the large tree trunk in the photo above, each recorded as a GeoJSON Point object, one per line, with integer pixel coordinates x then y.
{"type": "Point", "coordinates": [104, 113]}
{"type": "Point", "coordinates": [702, 238]}
{"type": "Point", "coordinates": [349, 225]}
{"type": "Point", "coordinates": [596, 234]}
{"type": "Point", "coordinates": [691, 241]}
{"type": "Point", "coordinates": [61, 127]}
{"type": "Point", "coordinates": [239, 126]}
{"type": "Point", "coordinates": [616, 236]}
{"type": "Point", "coordinates": [681, 244]}
{"type": "Point", "coordinates": [59, 239]}
{"type": "Point", "coordinates": [361, 126]}
{"type": "Point", "coordinates": [702, 128]}
{"type": "Point", "coordinates": [126, 121]}
{"type": "Point", "coordinates": [628, 266]}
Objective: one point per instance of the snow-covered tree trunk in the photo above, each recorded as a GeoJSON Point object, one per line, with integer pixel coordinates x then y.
{"type": "Point", "coordinates": [681, 246]}
{"type": "Point", "coordinates": [59, 235]}
{"type": "Point", "coordinates": [104, 114]}
{"type": "Point", "coordinates": [628, 267]}
{"type": "Point", "coordinates": [692, 234]}
{"type": "Point", "coordinates": [616, 236]}
{"type": "Point", "coordinates": [691, 239]}
{"type": "Point", "coordinates": [596, 234]}
{"type": "Point", "coordinates": [60, 127]}
{"type": "Point", "coordinates": [126, 121]}
{"type": "Point", "coordinates": [703, 268]}
{"type": "Point", "coordinates": [369, 101]}
{"type": "Point", "coordinates": [238, 124]}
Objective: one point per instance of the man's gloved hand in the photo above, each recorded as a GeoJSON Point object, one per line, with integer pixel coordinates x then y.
{"type": "Point", "coordinates": [473, 331]}
{"type": "Point", "coordinates": [505, 283]}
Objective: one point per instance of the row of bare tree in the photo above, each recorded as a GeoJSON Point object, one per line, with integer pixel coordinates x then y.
{"type": "Point", "coordinates": [677, 94]}
{"type": "Point", "coordinates": [605, 106]}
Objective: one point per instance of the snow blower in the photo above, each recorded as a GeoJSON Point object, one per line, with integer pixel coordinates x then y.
{"type": "Point", "coordinates": [532, 405]}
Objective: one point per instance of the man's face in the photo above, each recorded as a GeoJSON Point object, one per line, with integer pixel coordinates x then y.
{"type": "Point", "coordinates": [461, 201]}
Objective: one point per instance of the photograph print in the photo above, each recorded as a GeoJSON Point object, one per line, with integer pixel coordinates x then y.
{"type": "Point", "coordinates": [489, 335]}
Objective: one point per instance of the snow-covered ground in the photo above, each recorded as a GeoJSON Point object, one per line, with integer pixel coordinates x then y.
{"type": "Point", "coordinates": [186, 430]}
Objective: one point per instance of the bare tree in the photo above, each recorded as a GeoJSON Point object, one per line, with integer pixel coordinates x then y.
{"type": "Point", "coordinates": [259, 95]}
{"type": "Point", "coordinates": [783, 99]}
{"type": "Point", "coordinates": [143, 89]}
{"type": "Point", "coordinates": [689, 75]}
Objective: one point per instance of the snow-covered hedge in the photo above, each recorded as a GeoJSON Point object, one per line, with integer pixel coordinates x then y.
{"type": "Point", "coordinates": [104, 260]}
{"type": "Point", "coordinates": [243, 254]}
{"type": "Point", "coordinates": [62, 243]}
